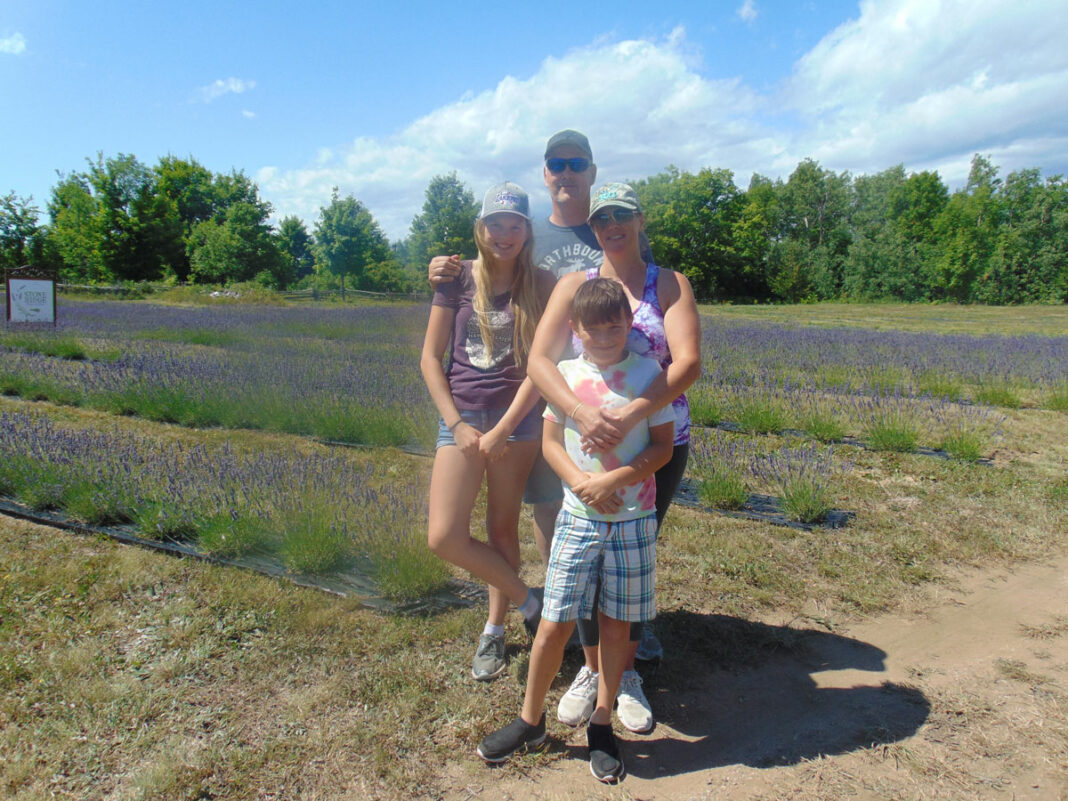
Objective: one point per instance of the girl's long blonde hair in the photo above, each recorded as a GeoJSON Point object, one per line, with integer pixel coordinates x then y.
{"type": "Point", "coordinates": [526, 305]}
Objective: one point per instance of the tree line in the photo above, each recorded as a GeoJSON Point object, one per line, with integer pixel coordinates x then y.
{"type": "Point", "coordinates": [819, 235]}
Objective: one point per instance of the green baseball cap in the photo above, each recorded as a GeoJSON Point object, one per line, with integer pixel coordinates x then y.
{"type": "Point", "coordinates": [615, 194]}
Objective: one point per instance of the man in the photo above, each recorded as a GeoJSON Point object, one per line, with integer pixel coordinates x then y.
{"type": "Point", "coordinates": [564, 243]}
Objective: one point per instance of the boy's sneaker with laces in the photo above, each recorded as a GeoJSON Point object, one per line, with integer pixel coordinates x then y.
{"type": "Point", "coordinates": [632, 707]}
{"type": "Point", "coordinates": [488, 662]}
{"type": "Point", "coordinates": [516, 736]}
{"type": "Point", "coordinates": [606, 763]}
{"type": "Point", "coordinates": [649, 647]}
{"type": "Point", "coordinates": [576, 705]}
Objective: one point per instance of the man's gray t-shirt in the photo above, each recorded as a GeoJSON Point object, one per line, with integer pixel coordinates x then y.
{"type": "Point", "coordinates": [564, 249]}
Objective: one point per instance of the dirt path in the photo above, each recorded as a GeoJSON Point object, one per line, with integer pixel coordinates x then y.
{"type": "Point", "coordinates": [964, 699]}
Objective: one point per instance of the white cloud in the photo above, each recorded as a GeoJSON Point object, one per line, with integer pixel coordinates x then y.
{"type": "Point", "coordinates": [248, 115]}
{"type": "Point", "coordinates": [14, 45]}
{"type": "Point", "coordinates": [640, 102]}
{"type": "Point", "coordinates": [747, 11]}
{"type": "Point", "coordinates": [228, 86]}
{"type": "Point", "coordinates": [918, 82]}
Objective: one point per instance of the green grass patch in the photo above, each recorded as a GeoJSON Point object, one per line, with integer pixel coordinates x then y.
{"type": "Point", "coordinates": [806, 499]}
{"type": "Point", "coordinates": [939, 385]}
{"type": "Point", "coordinates": [998, 394]}
{"type": "Point", "coordinates": [723, 488]}
{"type": "Point", "coordinates": [166, 521]}
{"type": "Point", "coordinates": [761, 416]}
{"type": "Point", "coordinates": [381, 426]}
{"type": "Point", "coordinates": [229, 534]}
{"type": "Point", "coordinates": [407, 569]}
{"type": "Point", "coordinates": [892, 430]}
{"type": "Point", "coordinates": [57, 346]}
{"type": "Point", "coordinates": [53, 345]}
{"type": "Point", "coordinates": [35, 388]}
{"type": "Point", "coordinates": [706, 407]}
{"type": "Point", "coordinates": [964, 444]}
{"type": "Point", "coordinates": [84, 500]}
{"type": "Point", "coordinates": [314, 539]}
{"type": "Point", "coordinates": [1057, 399]}
{"type": "Point", "coordinates": [204, 337]}
{"type": "Point", "coordinates": [41, 495]}
{"type": "Point", "coordinates": [823, 427]}
{"type": "Point", "coordinates": [885, 380]}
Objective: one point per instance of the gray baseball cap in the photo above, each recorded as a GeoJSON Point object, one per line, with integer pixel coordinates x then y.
{"type": "Point", "coordinates": [569, 137]}
{"type": "Point", "coordinates": [506, 197]}
{"type": "Point", "coordinates": [615, 194]}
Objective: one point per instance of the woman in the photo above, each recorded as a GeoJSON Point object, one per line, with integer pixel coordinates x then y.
{"type": "Point", "coordinates": [666, 327]}
{"type": "Point", "coordinates": [488, 409]}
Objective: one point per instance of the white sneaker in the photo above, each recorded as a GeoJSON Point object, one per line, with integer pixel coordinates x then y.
{"type": "Point", "coordinates": [632, 707]}
{"type": "Point", "coordinates": [576, 705]}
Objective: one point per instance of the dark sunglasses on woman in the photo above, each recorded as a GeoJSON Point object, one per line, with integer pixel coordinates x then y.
{"type": "Point", "coordinates": [618, 214]}
{"type": "Point", "coordinates": [557, 165]}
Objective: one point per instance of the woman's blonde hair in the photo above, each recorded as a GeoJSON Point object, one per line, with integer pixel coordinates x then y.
{"type": "Point", "coordinates": [526, 305]}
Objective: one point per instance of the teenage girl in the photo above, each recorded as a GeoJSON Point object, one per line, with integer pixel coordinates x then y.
{"type": "Point", "coordinates": [490, 421]}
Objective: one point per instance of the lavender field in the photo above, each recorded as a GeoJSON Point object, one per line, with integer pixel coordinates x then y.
{"type": "Point", "coordinates": [339, 374]}
{"type": "Point", "coordinates": [782, 395]}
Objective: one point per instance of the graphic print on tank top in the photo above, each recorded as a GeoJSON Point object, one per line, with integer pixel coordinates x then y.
{"type": "Point", "coordinates": [502, 325]}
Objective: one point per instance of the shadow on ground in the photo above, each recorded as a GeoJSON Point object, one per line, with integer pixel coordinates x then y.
{"type": "Point", "coordinates": [743, 693]}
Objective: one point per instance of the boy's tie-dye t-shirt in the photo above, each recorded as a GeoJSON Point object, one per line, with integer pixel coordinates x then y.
{"type": "Point", "coordinates": [612, 388]}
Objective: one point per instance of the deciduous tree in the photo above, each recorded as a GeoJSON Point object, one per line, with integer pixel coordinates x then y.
{"type": "Point", "coordinates": [446, 224]}
{"type": "Point", "coordinates": [349, 243]}
{"type": "Point", "coordinates": [18, 230]}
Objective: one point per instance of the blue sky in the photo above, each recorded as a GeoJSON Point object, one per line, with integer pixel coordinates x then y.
{"type": "Point", "coordinates": [378, 99]}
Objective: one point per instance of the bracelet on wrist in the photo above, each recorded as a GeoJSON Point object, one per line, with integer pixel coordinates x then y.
{"type": "Point", "coordinates": [452, 428]}
{"type": "Point", "coordinates": [573, 411]}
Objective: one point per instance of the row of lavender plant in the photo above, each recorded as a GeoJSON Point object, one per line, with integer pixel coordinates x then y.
{"type": "Point", "coordinates": [728, 469]}
{"type": "Point", "coordinates": [348, 374]}
{"type": "Point", "coordinates": [993, 369]}
{"type": "Point", "coordinates": [890, 421]}
{"type": "Point", "coordinates": [316, 512]}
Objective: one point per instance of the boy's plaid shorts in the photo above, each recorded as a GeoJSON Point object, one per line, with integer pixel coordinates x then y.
{"type": "Point", "coordinates": [622, 552]}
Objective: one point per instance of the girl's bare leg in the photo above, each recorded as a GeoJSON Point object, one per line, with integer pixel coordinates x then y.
{"type": "Point", "coordinates": [505, 480]}
{"type": "Point", "coordinates": [454, 485]}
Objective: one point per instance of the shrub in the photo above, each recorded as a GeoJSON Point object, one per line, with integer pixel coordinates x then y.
{"type": "Point", "coordinates": [998, 394]}
{"type": "Point", "coordinates": [723, 488]}
{"type": "Point", "coordinates": [964, 445]}
{"type": "Point", "coordinates": [1057, 400]}
{"type": "Point", "coordinates": [230, 534]}
{"type": "Point", "coordinates": [761, 417]}
{"type": "Point", "coordinates": [823, 427]}
{"type": "Point", "coordinates": [892, 429]}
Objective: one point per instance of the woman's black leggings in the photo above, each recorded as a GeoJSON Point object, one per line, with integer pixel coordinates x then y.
{"type": "Point", "coordinates": [667, 481]}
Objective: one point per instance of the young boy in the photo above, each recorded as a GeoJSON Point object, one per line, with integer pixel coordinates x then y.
{"type": "Point", "coordinates": [607, 525]}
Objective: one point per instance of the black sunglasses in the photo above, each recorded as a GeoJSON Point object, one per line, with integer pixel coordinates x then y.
{"type": "Point", "coordinates": [557, 165]}
{"type": "Point", "coordinates": [617, 213]}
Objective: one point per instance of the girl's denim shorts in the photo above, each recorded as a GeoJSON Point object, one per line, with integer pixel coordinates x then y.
{"type": "Point", "coordinates": [484, 419]}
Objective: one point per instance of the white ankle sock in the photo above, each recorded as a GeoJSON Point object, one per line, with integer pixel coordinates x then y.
{"type": "Point", "coordinates": [531, 606]}
{"type": "Point", "coordinates": [496, 631]}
